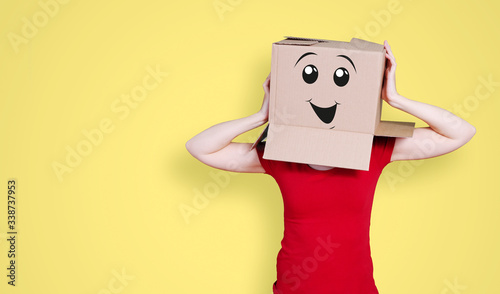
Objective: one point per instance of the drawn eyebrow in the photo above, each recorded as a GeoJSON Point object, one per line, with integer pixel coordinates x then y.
{"type": "Point", "coordinates": [304, 55]}
{"type": "Point", "coordinates": [349, 61]}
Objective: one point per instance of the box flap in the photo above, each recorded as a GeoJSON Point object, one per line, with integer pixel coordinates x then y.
{"type": "Point", "coordinates": [337, 148]}
{"type": "Point", "coordinates": [306, 39]}
{"type": "Point", "coordinates": [395, 129]}
{"type": "Point", "coordinates": [300, 41]}
{"type": "Point", "coordinates": [297, 42]}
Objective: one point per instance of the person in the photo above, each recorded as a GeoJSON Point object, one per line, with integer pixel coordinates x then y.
{"type": "Point", "coordinates": [325, 248]}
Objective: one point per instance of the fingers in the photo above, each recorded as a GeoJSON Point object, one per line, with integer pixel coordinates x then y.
{"type": "Point", "coordinates": [267, 79]}
{"type": "Point", "coordinates": [267, 83]}
{"type": "Point", "coordinates": [387, 47]}
{"type": "Point", "coordinates": [389, 55]}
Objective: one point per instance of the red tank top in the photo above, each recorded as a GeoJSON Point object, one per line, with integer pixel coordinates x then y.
{"type": "Point", "coordinates": [326, 246]}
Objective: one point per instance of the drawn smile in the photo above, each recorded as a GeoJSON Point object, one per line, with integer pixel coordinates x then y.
{"type": "Point", "coordinates": [326, 114]}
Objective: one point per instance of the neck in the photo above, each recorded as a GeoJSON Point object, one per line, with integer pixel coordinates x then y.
{"type": "Point", "coordinates": [320, 167]}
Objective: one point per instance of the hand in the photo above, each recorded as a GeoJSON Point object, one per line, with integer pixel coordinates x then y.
{"type": "Point", "coordinates": [389, 93]}
{"type": "Point", "coordinates": [264, 110]}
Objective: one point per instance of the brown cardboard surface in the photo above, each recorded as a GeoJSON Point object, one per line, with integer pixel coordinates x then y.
{"type": "Point", "coordinates": [395, 129]}
{"type": "Point", "coordinates": [325, 104]}
{"type": "Point", "coordinates": [358, 106]}
{"type": "Point", "coordinates": [300, 144]}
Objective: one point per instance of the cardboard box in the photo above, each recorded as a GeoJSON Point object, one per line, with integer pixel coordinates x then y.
{"type": "Point", "coordinates": [325, 102]}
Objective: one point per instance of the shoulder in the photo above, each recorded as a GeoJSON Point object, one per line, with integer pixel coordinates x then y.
{"type": "Point", "coordinates": [382, 149]}
{"type": "Point", "coordinates": [382, 143]}
{"type": "Point", "coordinates": [271, 167]}
{"type": "Point", "coordinates": [266, 164]}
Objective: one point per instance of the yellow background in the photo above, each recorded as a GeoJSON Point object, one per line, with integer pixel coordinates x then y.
{"type": "Point", "coordinates": [434, 228]}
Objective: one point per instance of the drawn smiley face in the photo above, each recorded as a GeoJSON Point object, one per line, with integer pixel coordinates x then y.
{"type": "Point", "coordinates": [340, 77]}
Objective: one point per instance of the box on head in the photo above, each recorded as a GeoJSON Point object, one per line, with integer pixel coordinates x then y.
{"type": "Point", "coordinates": [325, 102]}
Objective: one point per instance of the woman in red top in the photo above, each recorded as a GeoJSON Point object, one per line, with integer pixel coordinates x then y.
{"type": "Point", "coordinates": [325, 247]}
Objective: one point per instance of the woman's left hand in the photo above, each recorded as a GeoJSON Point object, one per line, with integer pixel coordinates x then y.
{"type": "Point", "coordinates": [446, 131]}
{"type": "Point", "coordinates": [389, 93]}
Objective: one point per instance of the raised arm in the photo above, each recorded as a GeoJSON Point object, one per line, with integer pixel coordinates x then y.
{"type": "Point", "coordinates": [215, 148]}
{"type": "Point", "coordinates": [446, 131]}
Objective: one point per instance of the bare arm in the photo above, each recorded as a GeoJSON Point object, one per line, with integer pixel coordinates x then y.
{"type": "Point", "coordinates": [446, 131]}
{"type": "Point", "coordinates": [215, 148]}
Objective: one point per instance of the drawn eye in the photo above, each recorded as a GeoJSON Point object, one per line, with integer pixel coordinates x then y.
{"type": "Point", "coordinates": [341, 77]}
{"type": "Point", "coordinates": [310, 74]}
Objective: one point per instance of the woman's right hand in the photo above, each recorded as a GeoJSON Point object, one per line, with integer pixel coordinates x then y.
{"type": "Point", "coordinates": [264, 110]}
{"type": "Point", "coordinates": [215, 147]}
